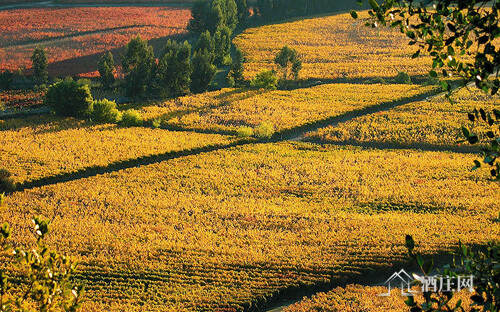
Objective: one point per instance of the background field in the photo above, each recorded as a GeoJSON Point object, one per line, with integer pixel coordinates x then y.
{"type": "Point", "coordinates": [332, 47]}
{"type": "Point", "coordinates": [75, 41]}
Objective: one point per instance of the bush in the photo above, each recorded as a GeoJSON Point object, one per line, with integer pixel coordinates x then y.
{"type": "Point", "coordinates": [106, 111]}
{"type": "Point", "coordinates": [379, 80]}
{"type": "Point", "coordinates": [6, 182]}
{"type": "Point", "coordinates": [131, 118]}
{"type": "Point", "coordinates": [156, 123]}
{"type": "Point", "coordinates": [264, 131]}
{"type": "Point", "coordinates": [67, 98]}
{"type": "Point", "coordinates": [403, 78]}
{"type": "Point", "coordinates": [6, 78]}
{"type": "Point", "coordinates": [265, 80]}
{"type": "Point", "coordinates": [245, 132]}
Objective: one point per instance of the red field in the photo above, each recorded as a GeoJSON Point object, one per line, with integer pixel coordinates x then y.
{"type": "Point", "coordinates": [80, 34]}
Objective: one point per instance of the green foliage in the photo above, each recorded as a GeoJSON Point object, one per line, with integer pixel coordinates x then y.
{"type": "Point", "coordinates": [222, 41]}
{"type": "Point", "coordinates": [237, 69]}
{"type": "Point", "coordinates": [243, 12]}
{"type": "Point", "coordinates": [280, 9]}
{"type": "Point", "coordinates": [264, 131]}
{"type": "Point", "coordinates": [156, 123]}
{"type": "Point", "coordinates": [138, 61]}
{"type": "Point", "coordinates": [131, 118]}
{"type": "Point", "coordinates": [206, 43]}
{"type": "Point", "coordinates": [289, 64]}
{"type": "Point", "coordinates": [483, 265]}
{"type": "Point", "coordinates": [265, 80]}
{"type": "Point", "coordinates": [40, 65]}
{"type": "Point", "coordinates": [245, 132]}
{"type": "Point", "coordinates": [210, 15]}
{"type": "Point", "coordinates": [403, 78]}
{"type": "Point", "coordinates": [6, 79]}
{"type": "Point", "coordinates": [105, 111]}
{"type": "Point", "coordinates": [203, 71]}
{"type": "Point", "coordinates": [45, 283]}
{"type": "Point", "coordinates": [106, 67]}
{"type": "Point", "coordinates": [67, 98]}
{"type": "Point", "coordinates": [6, 181]}
{"type": "Point", "coordinates": [174, 69]}
{"type": "Point", "coordinates": [379, 80]}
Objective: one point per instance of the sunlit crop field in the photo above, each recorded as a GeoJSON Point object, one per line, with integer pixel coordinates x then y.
{"type": "Point", "coordinates": [228, 109]}
{"type": "Point", "coordinates": [435, 122]}
{"type": "Point", "coordinates": [40, 147]}
{"type": "Point", "coordinates": [333, 47]}
{"type": "Point", "coordinates": [232, 227]}
{"type": "Point", "coordinates": [354, 298]}
{"type": "Point", "coordinates": [69, 33]}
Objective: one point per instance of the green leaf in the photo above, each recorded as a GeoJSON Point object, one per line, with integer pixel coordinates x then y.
{"type": "Point", "coordinates": [420, 260]}
{"type": "Point", "coordinates": [374, 5]}
{"type": "Point", "coordinates": [433, 73]}
{"type": "Point", "coordinates": [416, 54]}
{"type": "Point", "coordinates": [410, 243]}
{"type": "Point", "coordinates": [354, 14]}
{"type": "Point", "coordinates": [477, 165]}
{"type": "Point", "coordinates": [473, 139]}
{"type": "Point", "coordinates": [465, 132]}
{"type": "Point", "coordinates": [471, 117]}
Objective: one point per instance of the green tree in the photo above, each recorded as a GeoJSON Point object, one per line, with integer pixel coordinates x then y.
{"type": "Point", "coordinates": [68, 98]}
{"type": "Point", "coordinates": [242, 8]}
{"type": "Point", "coordinates": [174, 69]}
{"type": "Point", "coordinates": [40, 65]}
{"type": "Point", "coordinates": [237, 69]}
{"type": "Point", "coordinates": [222, 41]}
{"type": "Point", "coordinates": [197, 22]}
{"type": "Point", "coordinates": [289, 64]}
{"type": "Point", "coordinates": [212, 15]}
{"type": "Point", "coordinates": [206, 43]}
{"type": "Point", "coordinates": [106, 67]}
{"type": "Point", "coordinates": [138, 63]}
{"type": "Point", "coordinates": [203, 71]}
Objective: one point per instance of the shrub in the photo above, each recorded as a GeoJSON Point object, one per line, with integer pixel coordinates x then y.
{"type": "Point", "coordinates": [131, 118]}
{"type": "Point", "coordinates": [403, 78]}
{"type": "Point", "coordinates": [106, 67]}
{"type": "Point", "coordinates": [106, 111]}
{"type": "Point", "coordinates": [67, 98]}
{"type": "Point", "coordinates": [379, 80]}
{"type": "Point", "coordinates": [203, 71]}
{"type": "Point", "coordinates": [265, 80]}
{"type": "Point", "coordinates": [156, 123]}
{"type": "Point", "coordinates": [6, 78]}
{"type": "Point", "coordinates": [245, 132]}
{"type": "Point", "coordinates": [264, 131]}
{"type": "Point", "coordinates": [6, 182]}
{"type": "Point", "coordinates": [40, 65]}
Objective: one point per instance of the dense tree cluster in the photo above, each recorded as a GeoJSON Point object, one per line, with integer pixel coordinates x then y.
{"type": "Point", "coordinates": [279, 9]}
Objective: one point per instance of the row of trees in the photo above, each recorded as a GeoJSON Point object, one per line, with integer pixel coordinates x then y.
{"type": "Point", "coordinates": [278, 9]}
{"type": "Point", "coordinates": [173, 73]}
